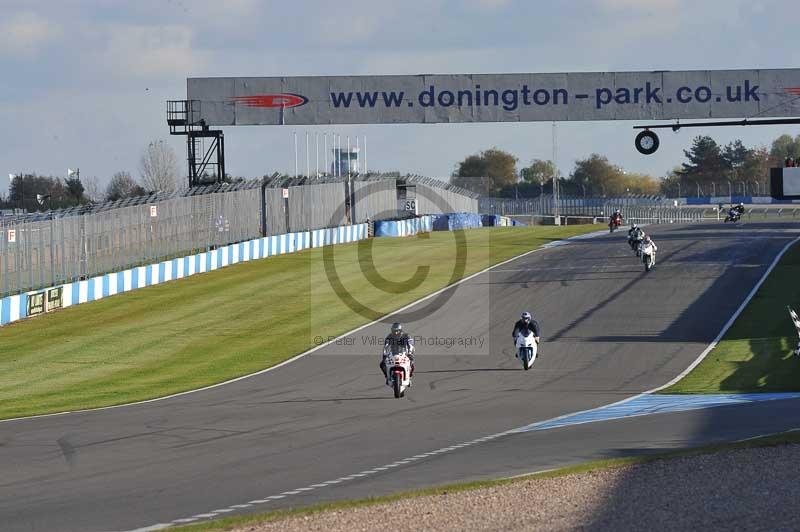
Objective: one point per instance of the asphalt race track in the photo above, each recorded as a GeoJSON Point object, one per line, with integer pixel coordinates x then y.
{"type": "Point", "coordinates": [609, 331]}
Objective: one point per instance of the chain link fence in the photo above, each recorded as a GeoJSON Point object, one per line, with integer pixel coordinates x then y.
{"type": "Point", "coordinates": [46, 249]}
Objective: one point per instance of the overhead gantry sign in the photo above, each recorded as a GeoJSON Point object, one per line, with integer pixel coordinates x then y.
{"type": "Point", "coordinates": [457, 98]}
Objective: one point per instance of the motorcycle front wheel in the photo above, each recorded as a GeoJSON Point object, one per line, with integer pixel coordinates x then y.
{"type": "Point", "coordinates": [397, 384]}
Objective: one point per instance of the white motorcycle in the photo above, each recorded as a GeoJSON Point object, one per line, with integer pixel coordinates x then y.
{"type": "Point", "coordinates": [648, 255]}
{"type": "Point", "coordinates": [527, 348]}
{"type": "Point", "coordinates": [398, 368]}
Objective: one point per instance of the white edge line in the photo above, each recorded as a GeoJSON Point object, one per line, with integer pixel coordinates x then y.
{"type": "Point", "coordinates": [528, 428]}
{"type": "Point", "coordinates": [767, 435]}
{"type": "Point", "coordinates": [729, 323]}
{"type": "Point", "coordinates": [706, 351]}
{"type": "Point", "coordinates": [315, 348]}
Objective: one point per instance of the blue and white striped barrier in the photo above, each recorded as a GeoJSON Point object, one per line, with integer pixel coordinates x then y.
{"type": "Point", "coordinates": [13, 308]}
{"type": "Point", "coordinates": [411, 226]}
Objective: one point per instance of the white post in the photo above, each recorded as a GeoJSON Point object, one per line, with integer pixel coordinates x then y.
{"type": "Point", "coordinates": [336, 155]}
{"type": "Point", "coordinates": [316, 150]}
{"type": "Point", "coordinates": [365, 154]}
{"type": "Point", "coordinates": [325, 153]}
{"type": "Point", "coordinates": [308, 160]}
{"type": "Point", "coordinates": [348, 156]}
{"type": "Point", "coordinates": [295, 154]}
{"type": "Point", "coordinates": [358, 154]}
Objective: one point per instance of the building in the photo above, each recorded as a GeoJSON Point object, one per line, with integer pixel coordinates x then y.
{"type": "Point", "coordinates": [345, 161]}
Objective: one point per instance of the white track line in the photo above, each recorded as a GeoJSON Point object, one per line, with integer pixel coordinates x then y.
{"type": "Point", "coordinates": [483, 439]}
{"type": "Point", "coordinates": [544, 247]}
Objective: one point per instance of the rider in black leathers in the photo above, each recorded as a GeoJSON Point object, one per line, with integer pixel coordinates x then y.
{"type": "Point", "coordinates": [526, 323]}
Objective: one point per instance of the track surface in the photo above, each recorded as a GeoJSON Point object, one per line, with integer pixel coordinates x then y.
{"type": "Point", "coordinates": [610, 330]}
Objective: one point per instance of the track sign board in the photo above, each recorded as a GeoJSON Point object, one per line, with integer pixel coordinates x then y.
{"type": "Point", "coordinates": [55, 298]}
{"type": "Point", "coordinates": [36, 303]}
{"type": "Point", "coordinates": [520, 97]}
{"type": "Point", "coordinates": [153, 211]}
{"type": "Point", "coordinates": [285, 193]}
{"type": "Point", "coordinates": [12, 236]}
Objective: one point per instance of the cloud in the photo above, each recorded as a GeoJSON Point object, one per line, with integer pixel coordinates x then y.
{"type": "Point", "coordinates": [490, 5]}
{"type": "Point", "coordinates": [26, 33]}
{"type": "Point", "coordinates": [150, 51]}
{"type": "Point", "coordinates": [639, 5]}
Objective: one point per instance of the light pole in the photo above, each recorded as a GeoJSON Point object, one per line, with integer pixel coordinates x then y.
{"type": "Point", "coordinates": [730, 190]}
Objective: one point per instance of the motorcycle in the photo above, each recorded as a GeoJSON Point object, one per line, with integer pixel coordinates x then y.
{"type": "Point", "coordinates": [614, 223]}
{"type": "Point", "coordinates": [636, 244]}
{"type": "Point", "coordinates": [398, 367]}
{"type": "Point", "coordinates": [733, 215]}
{"type": "Point", "coordinates": [648, 255]}
{"type": "Point", "coordinates": [527, 349]}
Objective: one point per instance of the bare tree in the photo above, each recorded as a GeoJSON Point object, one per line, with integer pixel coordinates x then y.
{"type": "Point", "coordinates": [122, 185]}
{"type": "Point", "coordinates": [159, 167]}
{"type": "Point", "coordinates": [92, 189]}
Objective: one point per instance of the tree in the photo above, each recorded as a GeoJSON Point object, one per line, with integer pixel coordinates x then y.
{"type": "Point", "coordinates": [159, 167]}
{"type": "Point", "coordinates": [26, 189]}
{"type": "Point", "coordinates": [487, 172]}
{"type": "Point", "coordinates": [783, 147]}
{"type": "Point", "coordinates": [122, 185]}
{"type": "Point", "coordinates": [539, 171]}
{"type": "Point", "coordinates": [92, 189]}
{"type": "Point", "coordinates": [671, 183]}
{"type": "Point", "coordinates": [706, 165]}
{"type": "Point", "coordinates": [596, 176]}
{"type": "Point", "coordinates": [75, 189]}
{"type": "Point", "coordinates": [642, 184]}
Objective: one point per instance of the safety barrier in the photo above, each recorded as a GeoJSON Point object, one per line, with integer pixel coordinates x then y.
{"type": "Point", "coordinates": [20, 306]}
{"type": "Point", "coordinates": [495, 220]}
{"type": "Point", "coordinates": [456, 220]}
{"type": "Point", "coordinates": [411, 226]}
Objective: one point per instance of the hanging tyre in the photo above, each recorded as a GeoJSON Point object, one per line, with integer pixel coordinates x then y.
{"type": "Point", "coordinates": [646, 142]}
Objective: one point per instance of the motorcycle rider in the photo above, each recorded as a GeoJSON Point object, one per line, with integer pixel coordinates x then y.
{"type": "Point", "coordinates": [647, 240]}
{"type": "Point", "coordinates": [736, 211]}
{"type": "Point", "coordinates": [524, 324]}
{"type": "Point", "coordinates": [615, 219]}
{"type": "Point", "coordinates": [635, 235]}
{"type": "Point", "coordinates": [395, 340]}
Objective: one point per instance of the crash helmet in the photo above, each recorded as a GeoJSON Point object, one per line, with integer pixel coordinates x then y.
{"type": "Point", "coordinates": [397, 329]}
{"type": "Point", "coordinates": [526, 316]}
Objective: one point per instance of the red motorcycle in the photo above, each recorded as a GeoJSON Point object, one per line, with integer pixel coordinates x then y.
{"type": "Point", "coordinates": [614, 222]}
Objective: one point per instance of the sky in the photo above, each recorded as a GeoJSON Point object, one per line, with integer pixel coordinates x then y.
{"type": "Point", "coordinates": [85, 82]}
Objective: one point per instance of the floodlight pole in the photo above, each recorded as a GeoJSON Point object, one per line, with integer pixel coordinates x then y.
{"type": "Point", "coordinates": [325, 153]}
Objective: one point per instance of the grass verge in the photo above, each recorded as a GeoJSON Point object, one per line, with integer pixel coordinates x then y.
{"type": "Point", "coordinates": [755, 355]}
{"type": "Point", "coordinates": [213, 327]}
{"type": "Point", "coordinates": [229, 523]}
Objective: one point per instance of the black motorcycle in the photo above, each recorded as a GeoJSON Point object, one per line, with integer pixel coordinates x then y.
{"type": "Point", "coordinates": [734, 215]}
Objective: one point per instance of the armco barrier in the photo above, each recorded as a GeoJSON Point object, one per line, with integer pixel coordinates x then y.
{"type": "Point", "coordinates": [456, 220]}
{"type": "Point", "coordinates": [13, 308]}
{"type": "Point", "coordinates": [495, 220]}
{"type": "Point", "coordinates": [411, 226]}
